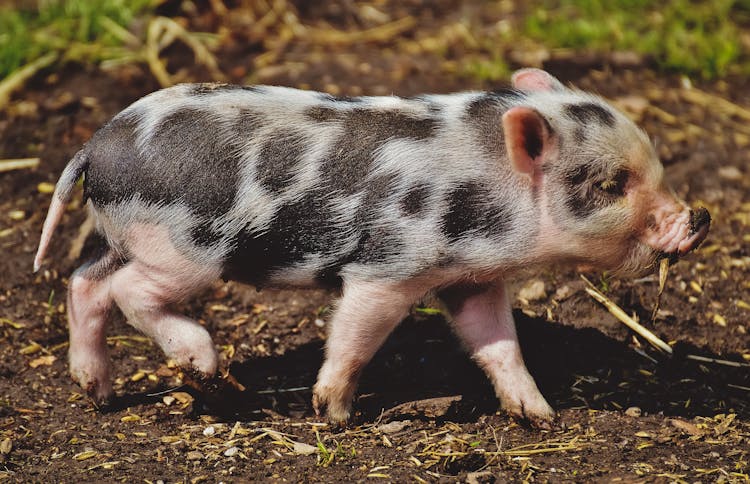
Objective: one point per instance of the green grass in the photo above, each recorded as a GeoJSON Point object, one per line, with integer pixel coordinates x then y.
{"type": "Point", "coordinates": [78, 29]}
{"type": "Point", "coordinates": [691, 37]}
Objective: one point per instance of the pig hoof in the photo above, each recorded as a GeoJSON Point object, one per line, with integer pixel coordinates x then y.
{"type": "Point", "coordinates": [541, 419]}
{"type": "Point", "coordinates": [538, 413]}
{"type": "Point", "coordinates": [94, 381]}
{"type": "Point", "coordinates": [202, 382]}
{"type": "Point", "coordinates": [99, 392]}
{"type": "Point", "coordinates": [336, 413]}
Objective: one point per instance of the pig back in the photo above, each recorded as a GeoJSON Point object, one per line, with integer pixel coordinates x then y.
{"type": "Point", "coordinates": [295, 187]}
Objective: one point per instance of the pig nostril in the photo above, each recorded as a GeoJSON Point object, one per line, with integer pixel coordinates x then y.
{"type": "Point", "coordinates": [698, 219]}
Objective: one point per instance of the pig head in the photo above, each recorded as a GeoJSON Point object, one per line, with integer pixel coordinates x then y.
{"type": "Point", "coordinates": [601, 195]}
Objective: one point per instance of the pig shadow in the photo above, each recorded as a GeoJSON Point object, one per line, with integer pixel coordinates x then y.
{"type": "Point", "coordinates": [422, 359]}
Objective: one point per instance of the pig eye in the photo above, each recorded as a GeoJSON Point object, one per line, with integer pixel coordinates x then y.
{"type": "Point", "coordinates": [615, 185]}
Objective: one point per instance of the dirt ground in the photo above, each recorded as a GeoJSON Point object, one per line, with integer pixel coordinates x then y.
{"type": "Point", "coordinates": [424, 410]}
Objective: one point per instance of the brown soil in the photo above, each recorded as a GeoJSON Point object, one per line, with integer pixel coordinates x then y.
{"type": "Point", "coordinates": [424, 411]}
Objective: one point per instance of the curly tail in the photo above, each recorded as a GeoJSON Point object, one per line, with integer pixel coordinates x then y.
{"type": "Point", "coordinates": [63, 191]}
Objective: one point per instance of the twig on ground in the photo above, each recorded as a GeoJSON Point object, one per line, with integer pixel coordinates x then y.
{"type": "Point", "coordinates": [18, 164]}
{"type": "Point", "coordinates": [625, 319]}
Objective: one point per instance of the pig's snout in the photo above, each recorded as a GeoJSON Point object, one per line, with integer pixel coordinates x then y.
{"type": "Point", "coordinates": [700, 221]}
{"type": "Point", "coordinates": [674, 233]}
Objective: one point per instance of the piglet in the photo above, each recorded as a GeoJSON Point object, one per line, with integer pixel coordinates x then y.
{"type": "Point", "coordinates": [387, 198]}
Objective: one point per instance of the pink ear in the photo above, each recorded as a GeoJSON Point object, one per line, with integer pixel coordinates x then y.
{"type": "Point", "coordinates": [535, 80]}
{"type": "Point", "coordinates": [527, 136]}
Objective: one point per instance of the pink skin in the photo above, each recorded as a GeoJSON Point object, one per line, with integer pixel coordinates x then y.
{"type": "Point", "coordinates": [89, 303]}
{"type": "Point", "coordinates": [669, 227]}
{"type": "Point", "coordinates": [143, 289]}
{"type": "Point", "coordinates": [485, 324]}
{"type": "Point", "coordinates": [366, 315]}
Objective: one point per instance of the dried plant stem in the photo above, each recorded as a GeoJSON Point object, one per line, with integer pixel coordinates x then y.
{"type": "Point", "coordinates": [19, 164]}
{"type": "Point", "coordinates": [663, 272]}
{"type": "Point", "coordinates": [17, 78]}
{"type": "Point", "coordinates": [625, 319]}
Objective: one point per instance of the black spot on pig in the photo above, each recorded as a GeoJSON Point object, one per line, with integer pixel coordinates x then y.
{"type": "Point", "coordinates": [579, 135]}
{"type": "Point", "coordinates": [507, 93]}
{"type": "Point", "coordinates": [471, 211]}
{"type": "Point", "coordinates": [378, 245]}
{"type": "Point", "coordinates": [204, 236]}
{"type": "Point", "coordinates": [486, 114]}
{"type": "Point", "coordinates": [277, 160]}
{"type": "Point", "coordinates": [364, 131]}
{"type": "Point", "coordinates": [583, 196]}
{"type": "Point", "coordinates": [102, 260]}
{"type": "Point", "coordinates": [415, 199]}
{"type": "Point", "coordinates": [322, 114]}
{"type": "Point", "coordinates": [578, 182]}
{"type": "Point", "coordinates": [586, 113]}
{"type": "Point", "coordinates": [298, 229]}
{"type": "Point", "coordinates": [186, 160]}
{"type": "Point", "coordinates": [376, 191]}
{"type": "Point", "coordinates": [246, 124]}
{"type": "Point", "coordinates": [493, 103]}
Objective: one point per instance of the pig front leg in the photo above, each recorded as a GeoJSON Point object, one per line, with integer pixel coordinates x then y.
{"type": "Point", "coordinates": [366, 315]}
{"type": "Point", "coordinates": [483, 320]}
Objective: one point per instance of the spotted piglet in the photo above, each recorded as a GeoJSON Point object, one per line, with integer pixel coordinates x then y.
{"type": "Point", "coordinates": [387, 198]}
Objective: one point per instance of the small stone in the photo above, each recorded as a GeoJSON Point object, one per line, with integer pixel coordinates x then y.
{"type": "Point", "coordinates": [17, 215]}
{"type": "Point", "coordinates": [563, 293]}
{"type": "Point", "coordinates": [231, 452]}
{"type": "Point", "coordinates": [319, 322]}
{"type": "Point", "coordinates": [209, 431]}
{"type": "Point", "coordinates": [395, 426]}
{"type": "Point", "coordinates": [633, 412]}
{"type": "Point", "coordinates": [731, 173]}
{"type": "Point", "coordinates": [6, 446]}
{"type": "Point", "coordinates": [533, 291]}
{"type": "Point", "coordinates": [194, 455]}
{"type": "Point", "coordinates": [46, 187]}
{"type": "Point", "coordinates": [301, 448]}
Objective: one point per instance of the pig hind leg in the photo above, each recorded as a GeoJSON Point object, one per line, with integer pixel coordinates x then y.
{"type": "Point", "coordinates": [144, 293]}
{"type": "Point", "coordinates": [366, 315]}
{"type": "Point", "coordinates": [89, 304]}
{"type": "Point", "coordinates": [483, 320]}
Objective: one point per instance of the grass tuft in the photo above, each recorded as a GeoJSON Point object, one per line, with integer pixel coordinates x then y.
{"type": "Point", "coordinates": [694, 37]}
{"type": "Point", "coordinates": [61, 26]}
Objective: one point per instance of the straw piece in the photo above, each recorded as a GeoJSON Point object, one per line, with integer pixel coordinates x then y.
{"type": "Point", "coordinates": [735, 364]}
{"type": "Point", "coordinates": [625, 319]}
{"type": "Point", "coordinates": [17, 78]}
{"type": "Point", "coordinates": [663, 272]}
{"type": "Point", "coordinates": [19, 164]}
{"type": "Point", "coordinates": [717, 103]}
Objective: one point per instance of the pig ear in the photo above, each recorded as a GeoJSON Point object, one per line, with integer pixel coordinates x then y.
{"type": "Point", "coordinates": [527, 137]}
{"type": "Point", "coordinates": [535, 80]}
